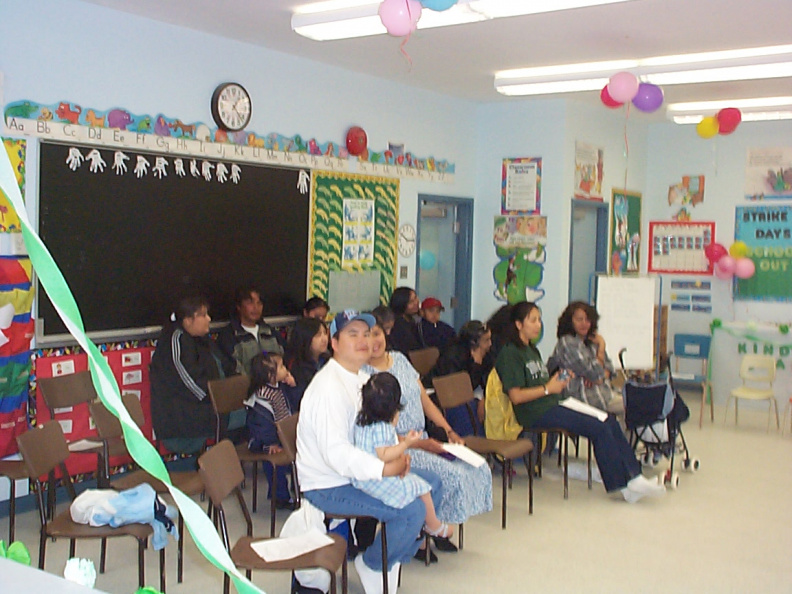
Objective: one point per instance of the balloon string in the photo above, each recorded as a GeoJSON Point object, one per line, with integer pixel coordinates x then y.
{"type": "Point", "coordinates": [404, 52]}
{"type": "Point", "coordinates": [626, 147]}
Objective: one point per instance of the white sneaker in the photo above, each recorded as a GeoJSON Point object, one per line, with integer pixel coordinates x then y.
{"type": "Point", "coordinates": [371, 579]}
{"type": "Point", "coordinates": [640, 487]}
{"type": "Point", "coordinates": [393, 578]}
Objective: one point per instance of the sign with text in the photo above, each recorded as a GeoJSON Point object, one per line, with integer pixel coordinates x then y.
{"type": "Point", "coordinates": [767, 231]}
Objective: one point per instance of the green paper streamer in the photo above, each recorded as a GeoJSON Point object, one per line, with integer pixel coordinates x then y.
{"type": "Point", "coordinates": [16, 551]}
{"type": "Point", "coordinates": [198, 523]}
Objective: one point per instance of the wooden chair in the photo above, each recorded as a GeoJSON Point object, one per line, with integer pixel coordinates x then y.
{"type": "Point", "coordinates": [424, 359]}
{"type": "Point", "coordinates": [72, 390]}
{"type": "Point", "coordinates": [13, 470]}
{"type": "Point", "coordinates": [694, 347]}
{"type": "Point", "coordinates": [222, 474]}
{"type": "Point", "coordinates": [188, 482]}
{"type": "Point", "coordinates": [227, 395]}
{"type": "Point", "coordinates": [44, 449]}
{"type": "Point", "coordinates": [456, 389]}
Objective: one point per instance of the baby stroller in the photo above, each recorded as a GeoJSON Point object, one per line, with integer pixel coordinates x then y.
{"type": "Point", "coordinates": [654, 413]}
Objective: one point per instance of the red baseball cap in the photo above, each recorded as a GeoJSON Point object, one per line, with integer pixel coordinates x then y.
{"type": "Point", "coordinates": [432, 302]}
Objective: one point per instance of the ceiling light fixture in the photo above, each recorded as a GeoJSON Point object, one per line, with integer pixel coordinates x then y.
{"type": "Point", "coordinates": [747, 64]}
{"type": "Point", "coordinates": [346, 19]}
{"type": "Point", "coordinates": [752, 110]}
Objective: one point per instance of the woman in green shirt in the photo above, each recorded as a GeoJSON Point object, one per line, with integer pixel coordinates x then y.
{"type": "Point", "coordinates": [536, 397]}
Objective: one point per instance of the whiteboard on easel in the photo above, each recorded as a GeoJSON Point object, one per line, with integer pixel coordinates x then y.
{"type": "Point", "coordinates": [626, 309]}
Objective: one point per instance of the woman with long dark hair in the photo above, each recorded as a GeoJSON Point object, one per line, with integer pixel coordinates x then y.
{"type": "Point", "coordinates": [404, 336]}
{"type": "Point", "coordinates": [306, 352]}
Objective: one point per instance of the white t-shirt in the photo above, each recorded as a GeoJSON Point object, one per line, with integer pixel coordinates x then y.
{"type": "Point", "coordinates": [252, 329]}
{"type": "Point", "coordinates": [326, 455]}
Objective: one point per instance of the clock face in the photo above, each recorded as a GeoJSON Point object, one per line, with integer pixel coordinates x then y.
{"type": "Point", "coordinates": [406, 240]}
{"type": "Point", "coordinates": [231, 107]}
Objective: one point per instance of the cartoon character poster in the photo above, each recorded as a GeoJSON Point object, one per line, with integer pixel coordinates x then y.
{"type": "Point", "coordinates": [589, 170]}
{"type": "Point", "coordinates": [768, 174]}
{"type": "Point", "coordinates": [684, 196]}
{"type": "Point", "coordinates": [520, 244]}
{"type": "Point", "coordinates": [625, 228]}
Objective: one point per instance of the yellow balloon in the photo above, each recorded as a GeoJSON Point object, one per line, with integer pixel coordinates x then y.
{"type": "Point", "coordinates": [738, 249]}
{"type": "Point", "coordinates": [708, 127]}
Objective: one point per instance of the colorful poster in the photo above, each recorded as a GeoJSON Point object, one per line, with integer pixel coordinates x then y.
{"type": "Point", "coordinates": [767, 231]}
{"type": "Point", "coordinates": [768, 174]}
{"type": "Point", "coordinates": [684, 196]}
{"type": "Point", "coordinates": [358, 232]}
{"type": "Point", "coordinates": [625, 225]}
{"type": "Point", "coordinates": [521, 186]}
{"type": "Point", "coordinates": [678, 247]}
{"type": "Point", "coordinates": [520, 244]}
{"type": "Point", "coordinates": [9, 221]}
{"type": "Point", "coordinates": [589, 169]}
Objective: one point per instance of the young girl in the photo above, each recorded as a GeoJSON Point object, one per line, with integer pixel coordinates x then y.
{"type": "Point", "coordinates": [266, 406]}
{"type": "Point", "coordinates": [375, 432]}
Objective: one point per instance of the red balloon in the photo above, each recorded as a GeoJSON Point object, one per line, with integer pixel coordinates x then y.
{"type": "Point", "coordinates": [356, 140]}
{"type": "Point", "coordinates": [728, 120]}
{"type": "Point", "coordinates": [607, 100]}
{"type": "Point", "coordinates": [714, 252]}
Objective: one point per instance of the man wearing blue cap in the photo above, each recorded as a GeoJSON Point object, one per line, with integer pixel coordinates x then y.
{"type": "Point", "coordinates": [327, 460]}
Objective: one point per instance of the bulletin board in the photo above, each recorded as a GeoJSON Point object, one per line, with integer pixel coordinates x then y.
{"type": "Point", "coordinates": [353, 228]}
{"type": "Point", "coordinates": [625, 226]}
{"type": "Point", "coordinates": [678, 247]}
{"type": "Point", "coordinates": [767, 231]}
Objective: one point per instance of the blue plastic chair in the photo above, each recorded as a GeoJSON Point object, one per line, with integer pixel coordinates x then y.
{"type": "Point", "coordinates": [694, 346]}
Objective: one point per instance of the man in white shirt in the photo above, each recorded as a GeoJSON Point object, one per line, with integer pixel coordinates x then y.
{"type": "Point", "coordinates": [327, 460]}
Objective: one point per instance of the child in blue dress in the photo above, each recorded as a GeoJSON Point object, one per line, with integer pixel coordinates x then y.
{"type": "Point", "coordinates": [375, 433]}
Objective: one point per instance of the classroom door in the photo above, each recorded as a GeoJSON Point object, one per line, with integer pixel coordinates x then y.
{"type": "Point", "coordinates": [588, 247]}
{"type": "Point", "coordinates": [445, 243]}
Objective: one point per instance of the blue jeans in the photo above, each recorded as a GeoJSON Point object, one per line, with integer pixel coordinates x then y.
{"type": "Point", "coordinates": [615, 457]}
{"type": "Point", "coordinates": [403, 525]}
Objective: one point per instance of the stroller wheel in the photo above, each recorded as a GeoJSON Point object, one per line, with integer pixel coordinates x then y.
{"type": "Point", "coordinates": [692, 464]}
{"type": "Point", "coordinates": [673, 480]}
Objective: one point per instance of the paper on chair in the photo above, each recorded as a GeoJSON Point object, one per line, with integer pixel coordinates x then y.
{"type": "Point", "coordinates": [464, 453]}
{"type": "Point", "coordinates": [83, 444]}
{"type": "Point", "coordinates": [279, 549]}
{"type": "Point", "coordinates": [582, 407]}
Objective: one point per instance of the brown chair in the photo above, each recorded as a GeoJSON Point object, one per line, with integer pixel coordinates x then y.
{"type": "Point", "coordinates": [424, 359]}
{"type": "Point", "coordinates": [455, 390]}
{"type": "Point", "coordinates": [228, 395]}
{"type": "Point", "coordinates": [188, 482]}
{"type": "Point", "coordinates": [45, 448]}
{"type": "Point", "coordinates": [222, 475]}
{"type": "Point", "coordinates": [13, 470]}
{"type": "Point", "coordinates": [72, 390]}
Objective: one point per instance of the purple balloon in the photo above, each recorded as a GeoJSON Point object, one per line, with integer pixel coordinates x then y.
{"type": "Point", "coordinates": [648, 98]}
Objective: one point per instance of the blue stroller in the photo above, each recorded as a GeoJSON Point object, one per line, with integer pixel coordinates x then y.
{"type": "Point", "coordinates": [654, 413]}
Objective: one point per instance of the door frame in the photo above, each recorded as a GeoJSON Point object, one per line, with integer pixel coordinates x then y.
{"type": "Point", "coordinates": [601, 256]}
{"type": "Point", "coordinates": [463, 267]}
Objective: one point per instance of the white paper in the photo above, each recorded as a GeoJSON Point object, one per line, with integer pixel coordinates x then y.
{"type": "Point", "coordinates": [582, 407]}
{"type": "Point", "coordinates": [83, 444]}
{"type": "Point", "coordinates": [626, 309]}
{"type": "Point", "coordinates": [465, 454]}
{"type": "Point", "coordinates": [279, 549]}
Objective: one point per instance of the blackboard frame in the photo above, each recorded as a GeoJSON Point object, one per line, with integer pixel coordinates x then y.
{"type": "Point", "coordinates": [225, 232]}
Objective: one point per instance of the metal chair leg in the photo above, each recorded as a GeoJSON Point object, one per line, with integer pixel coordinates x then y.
{"type": "Point", "coordinates": [384, 536]}
{"type": "Point", "coordinates": [141, 565]}
{"type": "Point", "coordinates": [506, 474]}
{"type": "Point", "coordinates": [180, 552]}
{"type": "Point", "coordinates": [273, 498]}
{"type": "Point", "coordinates": [162, 570]}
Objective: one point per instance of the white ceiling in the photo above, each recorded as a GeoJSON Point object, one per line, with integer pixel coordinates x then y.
{"type": "Point", "coordinates": [461, 60]}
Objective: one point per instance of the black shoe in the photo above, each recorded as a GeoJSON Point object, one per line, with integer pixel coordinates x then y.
{"type": "Point", "coordinates": [285, 504]}
{"type": "Point", "coordinates": [445, 545]}
{"type": "Point", "coordinates": [420, 555]}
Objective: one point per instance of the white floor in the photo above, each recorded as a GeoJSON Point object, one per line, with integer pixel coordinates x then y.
{"type": "Point", "coordinates": [728, 528]}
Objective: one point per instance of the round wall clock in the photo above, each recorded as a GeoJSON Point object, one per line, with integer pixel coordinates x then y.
{"type": "Point", "coordinates": [406, 240]}
{"type": "Point", "coordinates": [231, 107]}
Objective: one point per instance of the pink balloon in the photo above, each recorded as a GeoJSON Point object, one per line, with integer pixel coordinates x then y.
{"type": "Point", "coordinates": [727, 264]}
{"type": "Point", "coordinates": [622, 87]}
{"type": "Point", "coordinates": [744, 268]}
{"type": "Point", "coordinates": [722, 274]}
{"type": "Point", "coordinates": [400, 17]}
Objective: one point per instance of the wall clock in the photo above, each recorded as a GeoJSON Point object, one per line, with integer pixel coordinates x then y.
{"type": "Point", "coordinates": [406, 240]}
{"type": "Point", "coordinates": [231, 107]}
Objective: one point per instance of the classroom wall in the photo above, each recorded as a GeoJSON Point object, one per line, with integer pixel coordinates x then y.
{"type": "Point", "coordinates": [53, 50]}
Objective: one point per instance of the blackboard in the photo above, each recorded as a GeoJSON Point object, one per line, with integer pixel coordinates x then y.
{"type": "Point", "coordinates": [130, 246]}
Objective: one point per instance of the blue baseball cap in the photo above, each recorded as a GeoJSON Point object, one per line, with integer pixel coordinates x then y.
{"type": "Point", "coordinates": [350, 315]}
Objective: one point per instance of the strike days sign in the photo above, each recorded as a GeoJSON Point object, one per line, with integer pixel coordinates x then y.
{"type": "Point", "coordinates": [767, 231]}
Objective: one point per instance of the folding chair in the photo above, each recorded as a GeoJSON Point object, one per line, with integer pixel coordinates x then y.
{"type": "Point", "coordinates": [222, 475]}
{"type": "Point", "coordinates": [45, 448]}
{"type": "Point", "coordinates": [694, 347]}
{"type": "Point", "coordinates": [228, 395]}
{"type": "Point", "coordinates": [456, 389]}
{"type": "Point", "coordinates": [424, 359]}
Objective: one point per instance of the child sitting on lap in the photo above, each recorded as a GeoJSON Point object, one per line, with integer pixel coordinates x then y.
{"type": "Point", "coordinates": [375, 432]}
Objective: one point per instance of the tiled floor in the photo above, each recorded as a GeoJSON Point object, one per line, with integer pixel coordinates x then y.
{"type": "Point", "coordinates": [728, 528]}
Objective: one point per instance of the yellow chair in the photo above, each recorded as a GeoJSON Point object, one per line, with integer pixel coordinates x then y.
{"type": "Point", "coordinates": [755, 369]}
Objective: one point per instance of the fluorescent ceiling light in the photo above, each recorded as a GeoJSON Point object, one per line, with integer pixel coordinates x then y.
{"type": "Point", "coordinates": [753, 110]}
{"type": "Point", "coordinates": [747, 64]}
{"type": "Point", "coordinates": [346, 19]}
